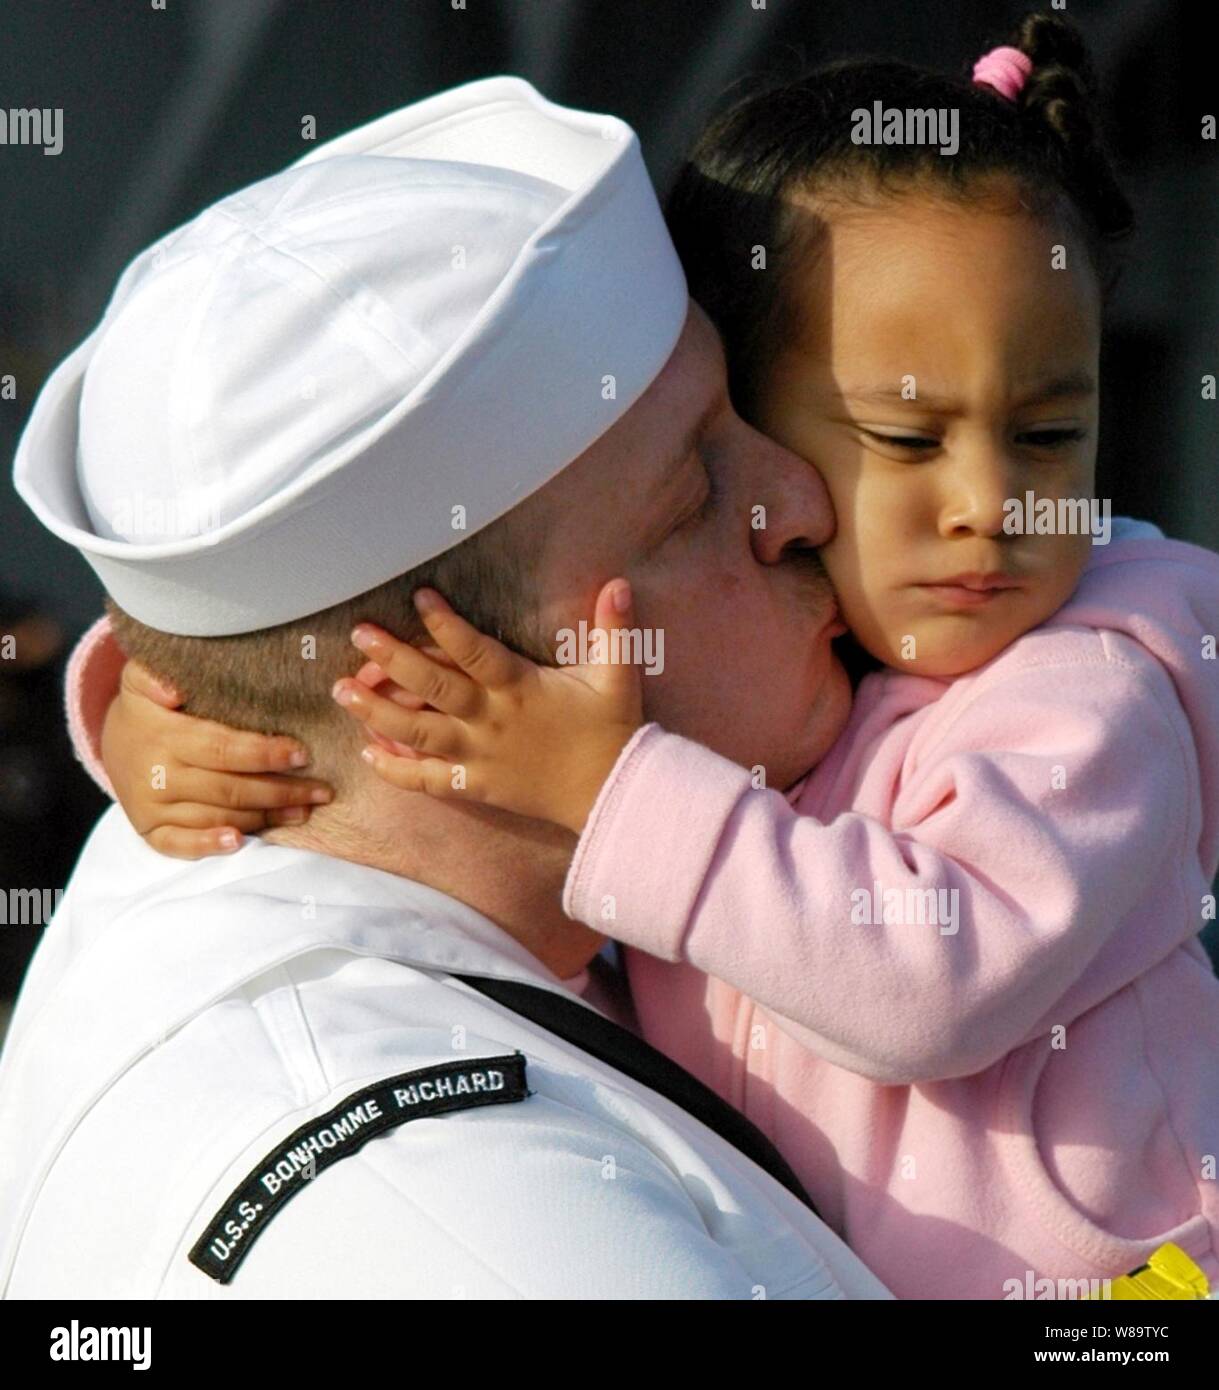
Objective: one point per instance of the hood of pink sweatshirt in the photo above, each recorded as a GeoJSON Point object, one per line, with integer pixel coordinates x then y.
{"type": "Point", "coordinates": [1164, 594]}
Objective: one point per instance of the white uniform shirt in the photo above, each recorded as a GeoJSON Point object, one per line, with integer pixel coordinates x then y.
{"type": "Point", "coordinates": [179, 1021]}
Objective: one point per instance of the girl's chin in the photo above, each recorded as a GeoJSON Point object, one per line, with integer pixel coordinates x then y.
{"type": "Point", "coordinates": [947, 659]}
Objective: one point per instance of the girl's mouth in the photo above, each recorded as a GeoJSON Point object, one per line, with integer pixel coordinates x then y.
{"type": "Point", "coordinates": [973, 590]}
{"type": "Point", "coordinates": [964, 596]}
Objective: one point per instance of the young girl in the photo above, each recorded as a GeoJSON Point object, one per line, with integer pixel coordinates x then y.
{"type": "Point", "coordinates": [953, 973]}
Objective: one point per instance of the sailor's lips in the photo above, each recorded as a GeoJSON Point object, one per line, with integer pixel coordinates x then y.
{"type": "Point", "coordinates": [833, 625]}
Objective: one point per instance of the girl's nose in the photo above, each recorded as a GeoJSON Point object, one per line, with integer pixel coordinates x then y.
{"type": "Point", "coordinates": [976, 490]}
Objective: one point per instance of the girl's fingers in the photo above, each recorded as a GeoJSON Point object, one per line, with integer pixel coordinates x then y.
{"type": "Point", "coordinates": [400, 750]}
{"type": "Point", "coordinates": [615, 611]}
{"type": "Point", "coordinates": [436, 734]}
{"type": "Point", "coordinates": [482, 658]}
{"type": "Point", "coordinates": [371, 675]}
{"type": "Point", "coordinates": [432, 776]}
{"type": "Point", "coordinates": [198, 831]}
{"type": "Point", "coordinates": [180, 843]}
{"type": "Point", "coordinates": [139, 680]}
{"type": "Point", "coordinates": [196, 815]}
{"type": "Point", "coordinates": [444, 689]}
{"type": "Point", "coordinates": [245, 792]}
{"type": "Point", "coordinates": [402, 698]}
{"type": "Point", "coordinates": [614, 607]}
{"type": "Point", "coordinates": [202, 743]}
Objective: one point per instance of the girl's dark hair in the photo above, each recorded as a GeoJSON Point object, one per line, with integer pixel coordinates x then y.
{"type": "Point", "coordinates": [734, 192]}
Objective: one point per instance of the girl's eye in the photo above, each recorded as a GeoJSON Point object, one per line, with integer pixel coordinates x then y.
{"type": "Point", "coordinates": [1050, 439]}
{"type": "Point", "coordinates": [904, 441]}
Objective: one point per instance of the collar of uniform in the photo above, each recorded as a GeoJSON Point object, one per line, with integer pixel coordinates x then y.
{"type": "Point", "coordinates": [299, 894]}
{"type": "Point", "coordinates": [142, 943]}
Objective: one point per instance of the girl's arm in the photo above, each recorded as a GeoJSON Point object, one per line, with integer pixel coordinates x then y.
{"type": "Point", "coordinates": [190, 786]}
{"type": "Point", "coordinates": [90, 683]}
{"type": "Point", "coordinates": [1052, 808]}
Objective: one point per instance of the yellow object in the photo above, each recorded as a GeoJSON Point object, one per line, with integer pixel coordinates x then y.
{"type": "Point", "coordinates": [1168, 1274]}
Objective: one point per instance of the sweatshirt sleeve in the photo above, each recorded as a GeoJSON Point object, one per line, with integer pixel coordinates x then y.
{"type": "Point", "coordinates": [90, 683]}
{"type": "Point", "coordinates": [1042, 811]}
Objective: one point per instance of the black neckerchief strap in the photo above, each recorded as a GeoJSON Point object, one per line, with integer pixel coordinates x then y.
{"type": "Point", "coordinates": [606, 1040]}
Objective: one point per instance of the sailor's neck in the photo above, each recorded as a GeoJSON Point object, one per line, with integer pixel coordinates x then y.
{"type": "Point", "coordinates": [506, 867]}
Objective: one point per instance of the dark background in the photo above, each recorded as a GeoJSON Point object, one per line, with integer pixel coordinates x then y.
{"type": "Point", "coordinates": [167, 110]}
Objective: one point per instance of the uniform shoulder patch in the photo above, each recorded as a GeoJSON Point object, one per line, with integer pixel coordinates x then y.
{"type": "Point", "coordinates": [340, 1132]}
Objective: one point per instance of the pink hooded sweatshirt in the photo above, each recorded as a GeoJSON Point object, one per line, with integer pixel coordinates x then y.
{"type": "Point", "coordinates": [1015, 1083]}
{"type": "Point", "coordinates": [1034, 1094]}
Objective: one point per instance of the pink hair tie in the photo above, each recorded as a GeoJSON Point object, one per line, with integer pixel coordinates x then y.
{"type": "Point", "coordinates": [1005, 69]}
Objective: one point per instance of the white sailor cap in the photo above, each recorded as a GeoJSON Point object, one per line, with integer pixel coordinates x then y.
{"type": "Point", "coordinates": [333, 375]}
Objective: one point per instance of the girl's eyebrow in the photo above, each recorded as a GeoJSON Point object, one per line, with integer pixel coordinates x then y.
{"type": "Point", "coordinates": [892, 395]}
{"type": "Point", "coordinates": [1076, 383]}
